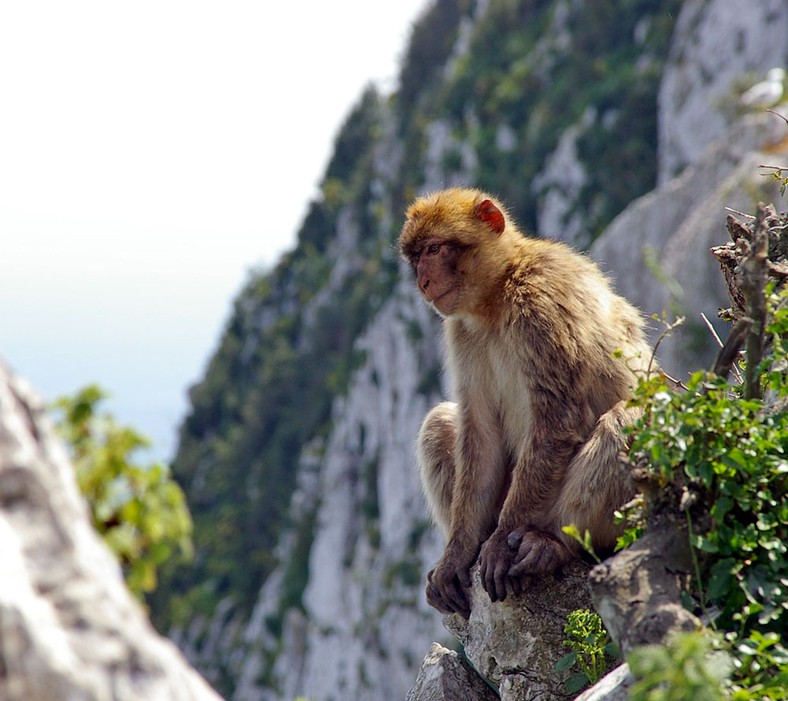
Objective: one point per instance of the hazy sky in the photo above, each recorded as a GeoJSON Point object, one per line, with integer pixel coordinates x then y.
{"type": "Point", "coordinates": [151, 153]}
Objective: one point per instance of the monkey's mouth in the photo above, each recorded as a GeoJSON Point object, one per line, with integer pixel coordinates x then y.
{"type": "Point", "coordinates": [435, 298]}
{"type": "Point", "coordinates": [444, 303]}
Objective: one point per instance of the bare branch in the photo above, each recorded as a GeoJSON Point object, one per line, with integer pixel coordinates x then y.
{"type": "Point", "coordinates": [726, 358]}
{"type": "Point", "coordinates": [669, 328]}
{"type": "Point", "coordinates": [785, 119]}
{"type": "Point", "coordinates": [676, 382]}
{"type": "Point", "coordinates": [755, 275]}
{"type": "Point", "coordinates": [741, 214]}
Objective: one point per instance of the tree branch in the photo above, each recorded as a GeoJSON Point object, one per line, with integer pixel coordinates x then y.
{"type": "Point", "coordinates": [754, 276]}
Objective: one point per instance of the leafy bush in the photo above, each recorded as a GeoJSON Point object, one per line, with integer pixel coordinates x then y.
{"type": "Point", "coordinates": [685, 670]}
{"type": "Point", "coordinates": [139, 510]}
{"type": "Point", "coordinates": [728, 457]}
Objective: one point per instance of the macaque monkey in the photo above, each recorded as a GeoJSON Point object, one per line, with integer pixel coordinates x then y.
{"type": "Point", "coordinates": [543, 356]}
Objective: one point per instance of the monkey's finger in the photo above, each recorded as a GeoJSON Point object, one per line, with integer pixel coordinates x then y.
{"type": "Point", "coordinates": [439, 601]}
{"type": "Point", "coordinates": [465, 609]}
{"type": "Point", "coordinates": [483, 571]}
{"type": "Point", "coordinates": [539, 559]}
{"type": "Point", "coordinates": [495, 581]}
{"type": "Point", "coordinates": [518, 570]}
{"type": "Point", "coordinates": [524, 561]}
{"type": "Point", "coordinates": [460, 598]}
{"type": "Point", "coordinates": [487, 576]}
{"type": "Point", "coordinates": [514, 539]}
{"type": "Point", "coordinates": [501, 575]}
{"type": "Point", "coordinates": [453, 600]}
{"type": "Point", "coordinates": [434, 600]}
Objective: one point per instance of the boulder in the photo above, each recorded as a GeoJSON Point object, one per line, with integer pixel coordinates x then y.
{"type": "Point", "coordinates": [515, 644]}
{"type": "Point", "coordinates": [446, 676]}
{"type": "Point", "coordinates": [69, 628]}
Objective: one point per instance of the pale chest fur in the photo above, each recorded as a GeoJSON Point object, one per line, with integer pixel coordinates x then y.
{"type": "Point", "coordinates": [486, 369]}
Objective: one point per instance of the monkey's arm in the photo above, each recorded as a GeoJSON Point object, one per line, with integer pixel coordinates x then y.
{"type": "Point", "coordinates": [525, 536]}
{"type": "Point", "coordinates": [477, 494]}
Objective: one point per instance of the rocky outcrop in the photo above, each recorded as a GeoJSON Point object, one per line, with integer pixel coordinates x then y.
{"type": "Point", "coordinates": [515, 644]}
{"type": "Point", "coordinates": [69, 628]}
{"type": "Point", "coordinates": [446, 676]}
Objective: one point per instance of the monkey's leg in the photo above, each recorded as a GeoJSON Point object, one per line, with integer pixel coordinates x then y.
{"type": "Point", "coordinates": [596, 485]}
{"type": "Point", "coordinates": [435, 455]}
{"type": "Point", "coordinates": [435, 452]}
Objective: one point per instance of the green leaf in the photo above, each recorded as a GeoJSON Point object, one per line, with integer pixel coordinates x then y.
{"type": "Point", "coordinates": [566, 662]}
{"type": "Point", "coordinates": [576, 683]}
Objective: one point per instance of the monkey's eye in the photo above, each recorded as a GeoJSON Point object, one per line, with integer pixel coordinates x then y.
{"type": "Point", "coordinates": [433, 248]}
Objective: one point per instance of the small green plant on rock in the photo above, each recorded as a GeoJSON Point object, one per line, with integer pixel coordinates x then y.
{"type": "Point", "coordinates": [592, 650]}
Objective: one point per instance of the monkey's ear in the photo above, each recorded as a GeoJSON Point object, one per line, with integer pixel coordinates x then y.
{"type": "Point", "coordinates": [491, 215]}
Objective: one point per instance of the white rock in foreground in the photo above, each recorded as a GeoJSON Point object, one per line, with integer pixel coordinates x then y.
{"type": "Point", "coordinates": [69, 628]}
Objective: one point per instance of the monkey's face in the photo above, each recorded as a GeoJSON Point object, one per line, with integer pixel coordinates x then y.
{"type": "Point", "coordinates": [434, 265]}
{"type": "Point", "coordinates": [451, 240]}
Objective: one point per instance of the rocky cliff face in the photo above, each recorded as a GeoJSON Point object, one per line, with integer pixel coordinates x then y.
{"type": "Point", "coordinates": [358, 639]}
{"type": "Point", "coordinates": [717, 51]}
{"type": "Point", "coordinates": [357, 625]}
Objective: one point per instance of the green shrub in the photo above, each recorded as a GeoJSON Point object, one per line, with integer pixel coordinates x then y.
{"type": "Point", "coordinates": [139, 510]}
{"type": "Point", "coordinates": [728, 458]}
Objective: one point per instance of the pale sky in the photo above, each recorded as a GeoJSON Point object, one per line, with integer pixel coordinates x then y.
{"type": "Point", "coordinates": [151, 153]}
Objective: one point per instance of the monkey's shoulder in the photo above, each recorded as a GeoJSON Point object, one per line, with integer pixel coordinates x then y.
{"type": "Point", "coordinates": [552, 262]}
{"type": "Point", "coordinates": [549, 278]}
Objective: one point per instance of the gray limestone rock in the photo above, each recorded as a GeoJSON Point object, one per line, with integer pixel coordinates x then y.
{"type": "Point", "coordinates": [69, 628]}
{"type": "Point", "coordinates": [515, 644]}
{"type": "Point", "coordinates": [657, 249]}
{"type": "Point", "coordinates": [612, 687]}
{"type": "Point", "coordinates": [715, 45]}
{"type": "Point", "coordinates": [445, 676]}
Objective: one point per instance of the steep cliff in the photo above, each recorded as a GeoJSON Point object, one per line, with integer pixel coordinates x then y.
{"type": "Point", "coordinates": [311, 536]}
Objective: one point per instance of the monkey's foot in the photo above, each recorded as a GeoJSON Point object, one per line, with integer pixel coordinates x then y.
{"type": "Point", "coordinates": [495, 561]}
{"type": "Point", "coordinates": [447, 589]}
{"type": "Point", "coordinates": [535, 552]}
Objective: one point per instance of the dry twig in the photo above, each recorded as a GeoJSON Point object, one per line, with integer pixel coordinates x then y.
{"type": "Point", "coordinates": [726, 358]}
{"type": "Point", "coordinates": [722, 363]}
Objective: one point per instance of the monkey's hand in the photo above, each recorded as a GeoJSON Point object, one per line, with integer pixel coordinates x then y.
{"type": "Point", "coordinates": [536, 552]}
{"type": "Point", "coordinates": [496, 559]}
{"type": "Point", "coordinates": [447, 584]}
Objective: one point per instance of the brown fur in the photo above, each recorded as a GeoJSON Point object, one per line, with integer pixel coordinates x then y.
{"type": "Point", "coordinates": [532, 442]}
